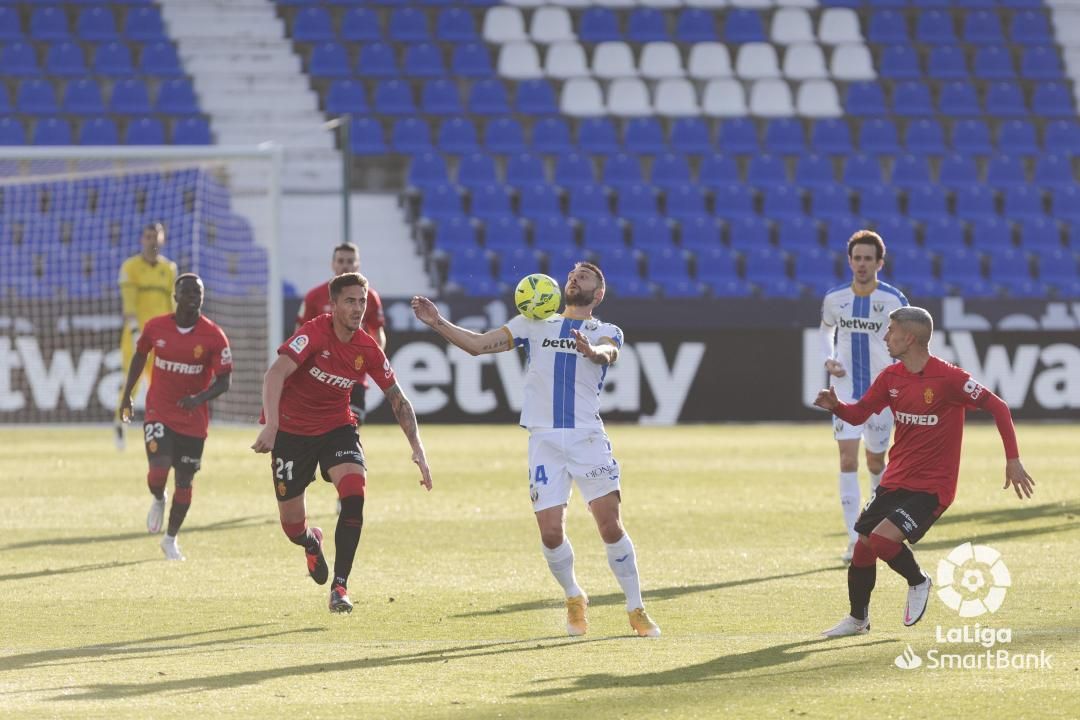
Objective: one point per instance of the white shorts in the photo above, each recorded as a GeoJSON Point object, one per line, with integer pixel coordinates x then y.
{"type": "Point", "coordinates": [557, 458]}
{"type": "Point", "coordinates": [875, 432]}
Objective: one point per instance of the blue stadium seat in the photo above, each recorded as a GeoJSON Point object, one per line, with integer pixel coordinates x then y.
{"type": "Point", "coordinates": [909, 264]}
{"type": "Point", "coordinates": [65, 59]}
{"type": "Point", "coordinates": [958, 171]}
{"type": "Point", "coordinates": [573, 169]}
{"type": "Point", "coordinates": [636, 201]}
{"type": "Point", "coordinates": [144, 24]}
{"type": "Point", "coordinates": [766, 266]}
{"type": "Point", "coordinates": [360, 25]}
{"type": "Point", "coordinates": [515, 258]}
{"type": "Point", "coordinates": [738, 135]}
{"type": "Point", "coordinates": [441, 202]}
{"type": "Point", "coordinates": [983, 27]}
{"type": "Point", "coordinates": [192, 131]}
{"type": "Point", "coordinates": [598, 24]}
{"type": "Point", "coordinates": [10, 25]}
{"type": "Point", "coordinates": [695, 25]}
{"type": "Point", "coordinates": [113, 59]}
{"type": "Point", "coordinates": [347, 96]}
{"type": "Point", "coordinates": [1057, 266]}
{"type": "Point", "coordinates": [5, 102]}
{"type": "Point", "coordinates": [878, 202]}
{"type": "Point", "coordinates": [410, 135]}
{"type": "Point", "coordinates": [971, 137]}
{"type": "Point", "coordinates": [469, 270]}
{"type": "Point", "coordinates": [551, 136]}
{"type": "Point", "coordinates": [1065, 204]}
{"type": "Point", "coordinates": [488, 97]}
{"type": "Point", "coordinates": [472, 60]}
{"type": "Point", "coordinates": [1063, 136]}
{"type": "Point", "coordinates": [457, 135]}
{"type": "Point", "coordinates": [943, 233]}
{"type": "Point", "coordinates": [440, 97]}
{"type": "Point", "coordinates": [935, 27]}
{"type": "Point", "coordinates": [312, 24]}
{"type": "Point", "coordinates": [748, 233]}
{"type": "Point", "coordinates": [161, 59]}
{"type": "Point", "coordinates": [691, 136]}
{"type": "Point", "coordinates": [1018, 137]}
{"type": "Point", "coordinates": [489, 202]}
{"type": "Point", "coordinates": [898, 232]}
{"type": "Point", "coordinates": [49, 23]}
{"type": "Point", "coordinates": [910, 171]}
{"type": "Point", "coordinates": [602, 233]}
{"type": "Point", "coordinates": [925, 137]}
{"type": "Point", "coordinates": [36, 97]}
{"type": "Point", "coordinates": [994, 63]}
{"type": "Point", "coordinates": [1030, 27]}
{"type": "Point", "coordinates": [816, 266]}
{"type": "Point", "coordinates": [1023, 202]}
{"type": "Point", "coordinates": [536, 97]}
{"type": "Point", "coordinates": [730, 288]}
{"type": "Point", "coordinates": [1038, 233]}
{"type": "Point", "coordinates": [766, 170]}
{"type": "Point", "coordinates": [97, 24]}
{"type": "Point", "coordinates": [504, 136]}
{"type": "Point", "coordinates": [177, 97]}
{"type": "Point", "coordinates": [782, 202]}
{"type": "Point", "coordinates": [961, 266]}
{"type": "Point", "coordinates": [330, 60]}
{"type": "Point", "coordinates": [1007, 266]}
{"type": "Point", "coordinates": [524, 169]}
{"type": "Point", "coordinates": [553, 234]}
{"type": "Point", "coordinates": [652, 234]}
{"type": "Point", "coordinates": [831, 136]}
{"type": "Point", "coordinates": [887, 27]}
{"type": "Point", "coordinates": [862, 171]}
{"type": "Point", "coordinates": [426, 170]}
{"type": "Point", "coordinates": [912, 99]}
{"type": "Point", "coordinates": [597, 136]}
{"type": "Point", "coordinates": [830, 201]}
{"type": "Point", "coordinates": [408, 24]}
{"type": "Point", "coordinates": [975, 202]}
{"type": "Point", "coordinates": [366, 137]}
{"type": "Point", "coordinates": [51, 131]}
{"type": "Point", "coordinates": [900, 62]}
{"type": "Point", "coordinates": [1006, 171]}
{"type": "Point", "coordinates": [455, 25]}
{"type": "Point", "coordinates": [865, 99]}
{"type": "Point", "coordinates": [718, 171]}
{"type": "Point", "coordinates": [743, 25]}
{"type": "Point", "coordinates": [839, 229]}
{"type": "Point", "coordinates": [622, 170]}
{"type": "Point", "coordinates": [947, 62]}
{"type": "Point", "coordinates": [644, 135]}
{"type": "Point", "coordinates": [394, 97]}
{"type": "Point", "coordinates": [423, 60]}
{"type": "Point", "coordinates": [814, 171]}
{"type": "Point", "coordinates": [540, 201]}
{"type": "Point", "coordinates": [646, 24]}
{"type": "Point", "coordinates": [1053, 99]}
{"type": "Point", "coordinates": [733, 201]}
{"type": "Point", "coordinates": [685, 203]}
{"type": "Point", "coordinates": [589, 200]}
{"type": "Point", "coordinates": [926, 202]}
{"type": "Point", "coordinates": [799, 233]}
{"type": "Point", "coordinates": [377, 60]}
{"type": "Point", "coordinates": [959, 99]}
{"type": "Point", "coordinates": [620, 265]}
{"type": "Point", "coordinates": [98, 131]}
{"type": "Point", "coordinates": [699, 234]}
{"type": "Point", "coordinates": [879, 137]}
{"type": "Point", "coordinates": [83, 97]}
{"type": "Point", "coordinates": [144, 131]}
{"type": "Point", "coordinates": [784, 136]}
{"type": "Point", "coordinates": [670, 170]}
{"type": "Point", "coordinates": [477, 170]}
{"type": "Point", "coordinates": [19, 59]}
{"type": "Point", "coordinates": [667, 265]}
{"type": "Point", "coordinates": [991, 233]}
{"type": "Point", "coordinates": [1005, 99]}
{"type": "Point", "coordinates": [1041, 62]}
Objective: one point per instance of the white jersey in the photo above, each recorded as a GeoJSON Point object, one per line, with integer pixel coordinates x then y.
{"type": "Point", "coordinates": [860, 323]}
{"type": "Point", "coordinates": [562, 387]}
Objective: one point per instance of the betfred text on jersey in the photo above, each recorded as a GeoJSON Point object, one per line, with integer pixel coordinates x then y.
{"type": "Point", "coordinates": [861, 324]}
{"type": "Point", "coordinates": [178, 367]}
{"type": "Point", "coordinates": [912, 419]}
{"type": "Point", "coordinates": [333, 380]}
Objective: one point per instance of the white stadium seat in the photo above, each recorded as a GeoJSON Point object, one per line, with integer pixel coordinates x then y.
{"type": "Point", "coordinates": [757, 61]}
{"type": "Point", "coordinates": [525, 3]}
{"type": "Point", "coordinates": [615, 3]}
{"type": "Point", "coordinates": [709, 60]}
{"type": "Point", "coordinates": [752, 3]}
{"type": "Point", "coordinates": [519, 61]}
{"type": "Point", "coordinates": [503, 25]}
{"type": "Point", "coordinates": [797, 3]}
{"type": "Point", "coordinates": [1072, 62]}
{"type": "Point", "coordinates": [839, 26]}
{"type": "Point", "coordinates": [613, 60]}
{"type": "Point", "coordinates": [707, 3]}
{"type": "Point", "coordinates": [852, 62]}
{"type": "Point", "coordinates": [818, 98]}
{"type": "Point", "coordinates": [551, 24]}
{"type": "Point", "coordinates": [1066, 24]}
{"type": "Point", "coordinates": [724, 98]}
{"type": "Point", "coordinates": [563, 61]}
{"type": "Point", "coordinates": [661, 60]}
{"type": "Point", "coordinates": [791, 25]}
{"type": "Point", "coordinates": [581, 97]}
{"type": "Point", "coordinates": [661, 3]}
{"type": "Point", "coordinates": [628, 97]}
{"type": "Point", "coordinates": [805, 62]}
{"type": "Point", "coordinates": [675, 97]}
{"type": "Point", "coordinates": [771, 98]}
{"type": "Point", "coordinates": [570, 3]}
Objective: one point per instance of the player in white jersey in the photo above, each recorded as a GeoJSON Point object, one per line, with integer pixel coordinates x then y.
{"type": "Point", "coordinates": [857, 316]}
{"type": "Point", "coordinates": [566, 357]}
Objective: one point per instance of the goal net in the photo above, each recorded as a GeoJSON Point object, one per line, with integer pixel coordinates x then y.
{"type": "Point", "coordinates": [70, 216]}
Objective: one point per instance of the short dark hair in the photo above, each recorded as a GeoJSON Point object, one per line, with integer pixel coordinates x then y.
{"type": "Point", "coordinates": [346, 247]}
{"type": "Point", "coordinates": [590, 266]}
{"type": "Point", "coordinates": [867, 237]}
{"type": "Point", "coordinates": [187, 276]}
{"type": "Point", "coordinates": [345, 280]}
{"type": "Point", "coordinates": [154, 227]}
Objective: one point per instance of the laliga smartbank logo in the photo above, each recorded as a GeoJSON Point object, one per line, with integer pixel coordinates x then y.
{"type": "Point", "coordinates": [972, 580]}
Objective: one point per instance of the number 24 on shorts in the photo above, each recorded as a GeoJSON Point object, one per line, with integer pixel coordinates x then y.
{"type": "Point", "coordinates": [539, 477]}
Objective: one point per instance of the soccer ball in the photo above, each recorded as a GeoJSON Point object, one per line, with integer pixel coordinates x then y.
{"type": "Point", "coordinates": [537, 296]}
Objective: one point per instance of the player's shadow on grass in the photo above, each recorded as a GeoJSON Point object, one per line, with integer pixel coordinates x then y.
{"type": "Point", "coordinates": [1013, 513]}
{"type": "Point", "coordinates": [145, 647]}
{"type": "Point", "coordinates": [111, 691]}
{"type": "Point", "coordinates": [715, 669]}
{"type": "Point", "coordinates": [53, 572]}
{"type": "Point", "coordinates": [667, 593]}
{"type": "Point", "coordinates": [231, 524]}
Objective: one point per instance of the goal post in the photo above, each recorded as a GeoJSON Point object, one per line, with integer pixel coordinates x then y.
{"type": "Point", "coordinates": [69, 216]}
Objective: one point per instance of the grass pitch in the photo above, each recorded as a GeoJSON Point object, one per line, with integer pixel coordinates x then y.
{"type": "Point", "coordinates": [738, 533]}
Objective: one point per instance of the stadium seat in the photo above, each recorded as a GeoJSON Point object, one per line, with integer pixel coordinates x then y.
{"type": "Point", "coordinates": [691, 136]}
{"type": "Point", "coordinates": [644, 136]}
{"type": "Point", "coordinates": [540, 201]}
{"type": "Point", "coordinates": [551, 136]}
{"type": "Point", "coordinates": [912, 99]}
{"type": "Point", "coordinates": [699, 235]}
{"type": "Point", "coordinates": [361, 25]}
{"type": "Point", "coordinates": [832, 136]}
{"type": "Point", "coordinates": [925, 137]}
{"type": "Point", "coordinates": [935, 27]}
{"type": "Point", "coordinates": [329, 60]}
{"type": "Point", "coordinates": [685, 203]}
{"type": "Point", "coordinates": [1053, 99]}
{"type": "Point", "coordinates": [113, 59]}
{"type": "Point", "coordinates": [943, 234]}
{"type": "Point", "coordinates": [734, 201]}
{"type": "Point", "coordinates": [744, 26]}
{"type": "Point", "coordinates": [410, 135]}
{"type": "Point", "coordinates": [144, 24]}
{"type": "Point", "coordinates": [144, 131]}
{"type": "Point", "coordinates": [799, 233]}
{"type": "Point", "coordinates": [900, 62]}
{"type": "Point", "coordinates": [346, 96]}
{"type": "Point", "coordinates": [958, 171]}
{"type": "Point", "coordinates": [862, 171]}
{"type": "Point", "coordinates": [589, 200]}
{"type": "Point", "coordinates": [490, 202]}
{"type": "Point", "coordinates": [622, 169]}
{"type": "Point", "coordinates": [724, 97]}
{"type": "Point", "coordinates": [598, 24]}
{"type": "Point", "coordinates": [925, 203]}
{"type": "Point", "coordinates": [749, 233]}
{"type": "Point", "coordinates": [636, 200]}
{"type": "Point", "coordinates": [476, 170]}
{"type": "Point", "coordinates": [394, 97]}
{"type": "Point", "coordinates": [554, 234]}
{"type": "Point", "coordinates": [597, 136]}
{"type": "Point", "coordinates": [1030, 28]}
{"type": "Point", "coordinates": [457, 135]}
{"type": "Point", "coordinates": [51, 131]}
{"type": "Point", "coordinates": [19, 59]}
{"type": "Point", "coordinates": [645, 25]}
{"type": "Point", "coordinates": [504, 136]}
{"type": "Point", "coordinates": [991, 233]}
{"type": "Point", "coordinates": [312, 24]}
{"type": "Point", "coordinates": [878, 202]}
{"type": "Point", "coordinates": [784, 136]}
{"type": "Point", "coordinates": [994, 63]}
{"type": "Point", "coordinates": [65, 59]}
{"type": "Point", "coordinates": [83, 97]}
{"type": "Point", "coordinates": [573, 169]}
{"type": "Point", "coordinates": [366, 137]}
{"type": "Point", "coordinates": [814, 171]}
{"type": "Point", "coordinates": [98, 131]}
{"type": "Point", "coordinates": [375, 60]}
{"type": "Point", "coordinates": [695, 25]}
{"type": "Point", "coordinates": [652, 235]}
{"type": "Point", "coordinates": [738, 135]}
{"type": "Point", "coordinates": [959, 99]}
{"type": "Point", "coordinates": [879, 137]}
{"type": "Point", "coordinates": [408, 24]}
{"type": "Point", "coordinates": [423, 60]}
{"type": "Point", "coordinates": [1005, 99]}
{"type": "Point", "coordinates": [1063, 137]}
{"type": "Point", "coordinates": [975, 202]}
{"type": "Point", "coordinates": [441, 202]}
{"type": "Point", "coordinates": [36, 97]}
{"type": "Point", "coordinates": [1023, 202]}
{"type": "Point", "coordinates": [1041, 63]}
{"type": "Point", "coordinates": [519, 61]}
{"type": "Point", "coordinates": [455, 25]}
{"type": "Point", "coordinates": [766, 170]}
{"type": "Point", "coordinates": [49, 23]}
{"type": "Point", "coordinates": [582, 97]}
{"type": "Point", "coordinates": [670, 170]}
{"type": "Point", "coordinates": [192, 131]}
{"type": "Point", "coordinates": [10, 25]}
{"type": "Point", "coordinates": [1018, 137]}
{"type": "Point", "coordinates": [177, 97]}
{"type": "Point", "coordinates": [426, 170]}
{"type": "Point", "coordinates": [601, 234]}
{"type": "Point", "coordinates": [502, 25]}
{"type": "Point", "coordinates": [1038, 233]}
{"type": "Point", "coordinates": [1006, 171]}
{"type": "Point", "coordinates": [865, 99]}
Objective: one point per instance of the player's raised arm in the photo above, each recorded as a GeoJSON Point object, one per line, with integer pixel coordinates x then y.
{"type": "Point", "coordinates": [474, 343]}
{"type": "Point", "coordinates": [406, 417]}
{"type": "Point", "coordinates": [604, 352]}
{"type": "Point", "coordinates": [273, 382]}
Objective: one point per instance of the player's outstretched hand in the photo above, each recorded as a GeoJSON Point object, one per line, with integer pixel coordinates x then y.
{"type": "Point", "coordinates": [583, 345]}
{"type": "Point", "coordinates": [835, 368]}
{"type": "Point", "coordinates": [425, 310]}
{"type": "Point", "coordinates": [1017, 476]}
{"type": "Point", "coordinates": [827, 400]}
{"type": "Point", "coordinates": [125, 410]}
{"type": "Point", "coordinates": [425, 471]}
{"type": "Point", "coordinates": [265, 442]}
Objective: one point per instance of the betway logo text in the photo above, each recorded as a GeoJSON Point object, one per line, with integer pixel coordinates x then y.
{"type": "Point", "coordinates": [561, 343]}
{"type": "Point", "coordinates": [178, 367]}
{"type": "Point", "coordinates": [911, 419]}
{"type": "Point", "coordinates": [332, 380]}
{"type": "Point", "coordinates": [861, 324]}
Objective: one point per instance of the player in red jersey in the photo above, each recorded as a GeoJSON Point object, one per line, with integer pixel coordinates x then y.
{"type": "Point", "coordinates": [192, 365]}
{"type": "Point", "coordinates": [928, 397]}
{"type": "Point", "coordinates": [346, 259]}
{"type": "Point", "coordinates": [309, 423]}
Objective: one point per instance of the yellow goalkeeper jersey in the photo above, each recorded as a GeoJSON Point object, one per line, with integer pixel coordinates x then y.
{"type": "Point", "coordinates": [147, 290]}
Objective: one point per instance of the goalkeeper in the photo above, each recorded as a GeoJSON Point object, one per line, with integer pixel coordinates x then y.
{"type": "Point", "coordinates": [146, 290]}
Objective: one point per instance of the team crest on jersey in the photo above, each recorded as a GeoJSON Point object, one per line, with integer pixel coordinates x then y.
{"type": "Point", "coordinates": [152, 446]}
{"type": "Point", "coordinates": [928, 395]}
{"type": "Point", "coordinates": [358, 363]}
{"type": "Point", "coordinates": [591, 325]}
{"type": "Point", "coordinates": [879, 307]}
{"type": "Point", "coordinates": [281, 489]}
{"type": "Point", "coordinates": [198, 351]}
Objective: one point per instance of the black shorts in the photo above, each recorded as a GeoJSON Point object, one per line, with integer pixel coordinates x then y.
{"type": "Point", "coordinates": [911, 511]}
{"type": "Point", "coordinates": [183, 452]}
{"type": "Point", "coordinates": [356, 402]}
{"type": "Point", "coordinates": [295, 457]}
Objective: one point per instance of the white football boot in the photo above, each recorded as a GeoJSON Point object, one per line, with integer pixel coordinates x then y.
{"type": "Point", "coordinates": [917, 598]}
{"type": "Point", "coordinates": [155, 519]}
{"type": "Point", "coordinates": [171, 548]}
{"type": "Point", "coordinates": [849, 626]}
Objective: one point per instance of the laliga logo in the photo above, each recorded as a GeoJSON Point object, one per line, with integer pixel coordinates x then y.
{"type": "Point", "coordinates": [908, 660]}
{"type": "Point", "coordinates": [973, 579]}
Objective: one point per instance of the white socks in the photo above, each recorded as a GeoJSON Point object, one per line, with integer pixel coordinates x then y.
{"type": "Point", "coordinates": [849, 502]}
{"type": "Point", "coordinates": [623, 563]}
{"type": "Point", "coordinates": [875, 480]}
{"type": "Point", "coordinates": [561, 562]}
